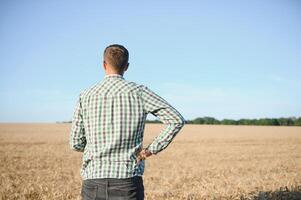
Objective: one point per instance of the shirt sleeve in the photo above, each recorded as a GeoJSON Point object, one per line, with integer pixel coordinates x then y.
{"type": "Point", "coordinates": [167, 114]}
{"type": "Point", "coordinates": [77, 134]}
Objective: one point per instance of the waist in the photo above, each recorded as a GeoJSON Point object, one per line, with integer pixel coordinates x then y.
{"type": "Point", "coordinates": [110, 157]}
{"type": "Point", "coordinates": [102, 181]}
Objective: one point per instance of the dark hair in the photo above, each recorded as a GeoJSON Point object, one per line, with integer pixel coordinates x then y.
{"type": "Point", "coordinates": [117, 56]}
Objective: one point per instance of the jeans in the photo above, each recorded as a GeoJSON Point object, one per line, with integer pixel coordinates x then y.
{"type": "Point", "coordinates": [113, 189]}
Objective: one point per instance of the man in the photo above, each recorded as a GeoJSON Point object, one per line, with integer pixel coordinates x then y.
{"type": "Point", "coordinates": [108, 127]}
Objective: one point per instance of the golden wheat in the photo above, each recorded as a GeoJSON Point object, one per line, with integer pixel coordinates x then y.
{"type": "Point", "coordinates": [203, 162]}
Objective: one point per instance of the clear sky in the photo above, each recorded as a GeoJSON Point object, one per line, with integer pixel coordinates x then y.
{"type": "Point", "coordinates": [224, 59]}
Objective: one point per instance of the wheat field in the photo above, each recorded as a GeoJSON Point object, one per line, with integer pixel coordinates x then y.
{"type": "Point", "coordinates": [203, 162]}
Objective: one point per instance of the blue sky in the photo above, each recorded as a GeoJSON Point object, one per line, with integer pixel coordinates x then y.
{"type": "Point", "coordinates": [225, 59]}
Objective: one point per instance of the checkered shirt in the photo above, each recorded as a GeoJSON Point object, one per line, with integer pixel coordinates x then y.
{"type": "Point", "coordinates": [108, 126]}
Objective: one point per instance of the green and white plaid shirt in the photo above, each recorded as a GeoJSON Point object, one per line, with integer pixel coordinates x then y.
{"type": "Point", "coordinates": [108, 127]}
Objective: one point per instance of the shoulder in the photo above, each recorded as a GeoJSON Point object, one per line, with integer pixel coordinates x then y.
{"type": "Point", "coordinates": [146, 89]}
{"type": "Point", "coordinates": [133, 86]}
{"type": "Point", "coordinates": [89, 90]}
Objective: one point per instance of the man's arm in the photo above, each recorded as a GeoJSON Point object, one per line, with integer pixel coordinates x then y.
{"type": "Point", "coordinates": [77, 134]}
{"type": "Point", "coordinates": [167, 114]}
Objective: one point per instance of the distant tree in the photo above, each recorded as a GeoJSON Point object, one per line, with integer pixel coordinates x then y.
{"type": "Point", "coordinates": [198, 120]}
{"type": "Point", "coordinates": [244, 122]}
{"type": "Point", "coordinates": [286, 121]}
{"type": "Point", "coordinates": [290, 121]}
{"type": "Point", "coordinates": [268, 121]}
{"type": "Point", "coordinates": [274, 122]}
{"type": "Point", "coordinates": [210, 120]}
{"type": "Point", "coordinates": [153, 121]}
{"type": "Point", "coordinates": [229, 122]}
{"type": "Point", "coordinates": [297, 122]}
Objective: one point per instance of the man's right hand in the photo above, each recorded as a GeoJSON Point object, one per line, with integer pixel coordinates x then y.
{"type": "Point", "coordinates": [143, 154]}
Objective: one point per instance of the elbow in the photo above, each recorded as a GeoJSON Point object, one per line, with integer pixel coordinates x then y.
{"type": "Point", "coordinates": [182, 121]}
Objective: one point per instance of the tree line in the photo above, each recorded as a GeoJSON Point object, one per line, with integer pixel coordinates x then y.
{"type": "Point", "coordinates": [283, 121]}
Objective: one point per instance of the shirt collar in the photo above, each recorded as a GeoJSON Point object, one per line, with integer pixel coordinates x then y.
{"type": "Point", "coordinates": [113, 76]}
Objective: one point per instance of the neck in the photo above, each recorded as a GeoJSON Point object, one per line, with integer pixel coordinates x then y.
{"type": "Point", "coordinates": [112, 72]}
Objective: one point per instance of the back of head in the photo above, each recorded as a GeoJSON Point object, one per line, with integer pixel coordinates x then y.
{"type": "Point", "coordinates": [117, 56]}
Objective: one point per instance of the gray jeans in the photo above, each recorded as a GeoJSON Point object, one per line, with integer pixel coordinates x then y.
{"type": "Point", "coordinates": [113, 189]}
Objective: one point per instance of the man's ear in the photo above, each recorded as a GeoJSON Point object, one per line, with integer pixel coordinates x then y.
{"type": "Point", "coordinates": [126, 67]}
{"type": "Point", "coordinates": [104, 64]}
